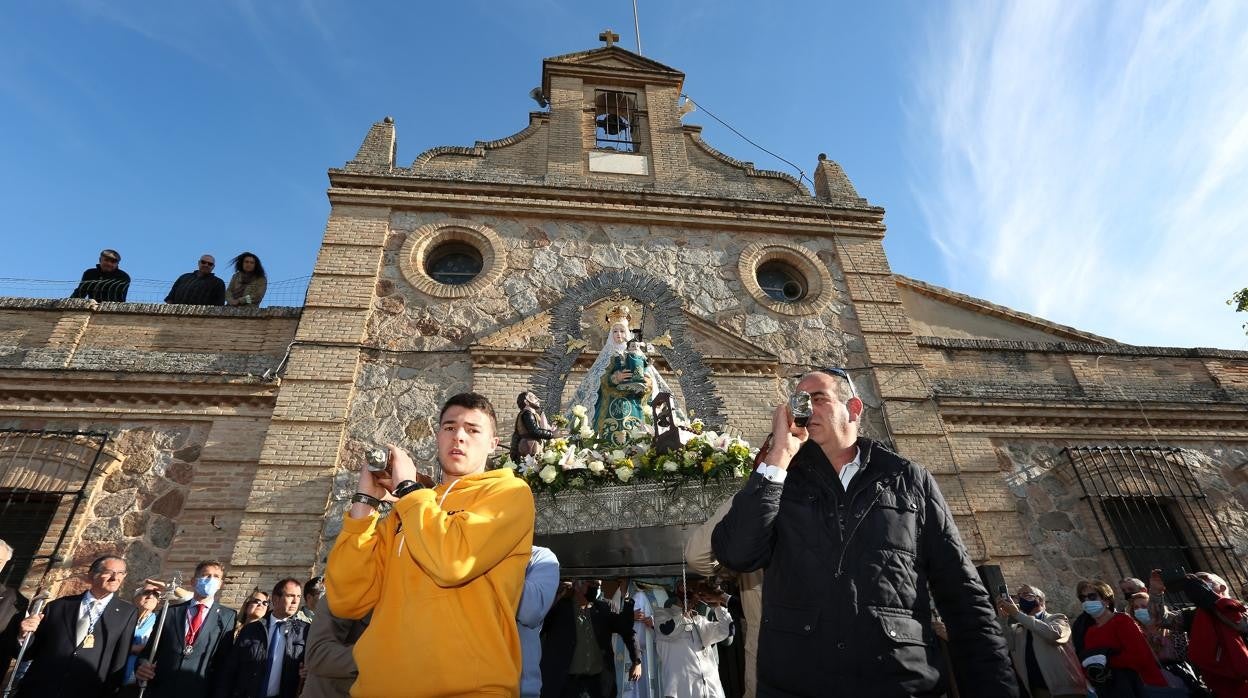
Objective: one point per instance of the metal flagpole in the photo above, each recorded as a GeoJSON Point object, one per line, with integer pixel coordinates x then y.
{"type": "Point", "coordinates": [36, 607]}
{"type": "Point", "coordinates": [169, 595]}
{"type": "Point", "coordinates": [636, 27]}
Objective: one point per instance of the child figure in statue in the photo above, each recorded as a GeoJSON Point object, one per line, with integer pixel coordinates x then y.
{"type": "Point", "coordinates": [635, 361]}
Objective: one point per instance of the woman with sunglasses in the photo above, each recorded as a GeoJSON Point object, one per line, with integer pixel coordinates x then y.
{"type": "Point", "coordinates": [254, 608]}
{"type": "Point", "coordinates": [1117, 636]}
{"type": "Point", "coordinates": [146, 597]}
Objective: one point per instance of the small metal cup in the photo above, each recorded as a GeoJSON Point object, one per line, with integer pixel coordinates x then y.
{"type": "Point", "coordinates": [377, 459]}
{"type": "Point", "coordinates": [801, 407]}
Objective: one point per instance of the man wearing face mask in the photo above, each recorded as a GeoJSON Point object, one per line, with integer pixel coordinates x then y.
{"type": "Point", "coordinates": [1040, 646]}
{"type": "Point", "coordinates": [194, 643]}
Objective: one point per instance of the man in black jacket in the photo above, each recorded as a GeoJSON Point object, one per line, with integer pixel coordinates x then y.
{"type": "Point", "coordinates": [268, 654]}
{"type": "Point", "coordinates": [559, 638]}
{"type": "Point", "coordinates": [850, 537]}
{"type": "Point", "coordinates": [81, 642]}
{"type": "Point", "coordinates": [105, 281]}
{"type": "Point", "coordinates": [199, 287]}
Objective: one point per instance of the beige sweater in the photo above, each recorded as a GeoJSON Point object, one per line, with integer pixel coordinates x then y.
{"type": "Point", "coordinates": [701, 560]}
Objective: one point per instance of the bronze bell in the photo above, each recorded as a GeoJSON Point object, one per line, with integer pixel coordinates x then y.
{"type": "Point", "coordinates": [613, 124]}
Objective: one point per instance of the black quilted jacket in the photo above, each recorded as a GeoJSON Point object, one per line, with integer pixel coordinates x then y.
{"type": "Point", "coordinates": [846, 608]}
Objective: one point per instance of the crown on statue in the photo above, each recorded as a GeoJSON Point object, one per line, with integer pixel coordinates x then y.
{"type": "Point", "coordinates": [619, 314]}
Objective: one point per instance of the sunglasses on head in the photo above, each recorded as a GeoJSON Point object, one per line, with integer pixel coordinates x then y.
{"type": "Point", "coordinates": [836, 372]}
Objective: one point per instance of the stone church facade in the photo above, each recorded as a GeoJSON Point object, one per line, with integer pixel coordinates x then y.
{"type": "Point", "coordinates": [177, 433]}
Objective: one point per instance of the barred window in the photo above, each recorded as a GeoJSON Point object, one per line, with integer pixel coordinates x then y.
{"type": "Point", "coordinates": [616, 121]}
{"type": "Point", "coordinates": [1152, 512]}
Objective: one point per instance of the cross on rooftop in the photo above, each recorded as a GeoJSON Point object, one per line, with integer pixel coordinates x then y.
{"type": "Point", "coordinates": [609, 37]}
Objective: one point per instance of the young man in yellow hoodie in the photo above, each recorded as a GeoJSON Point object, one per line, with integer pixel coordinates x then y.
{"type": "Point", "coordinates": [443, 573]}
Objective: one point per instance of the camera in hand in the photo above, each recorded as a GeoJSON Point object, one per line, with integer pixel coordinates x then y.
{"type": "Point", "coordinates": [1173, 577]}
{"type": "Point", "coordinates": [801, 407]}
{"type": "Point", "coordinates": [377, 459]}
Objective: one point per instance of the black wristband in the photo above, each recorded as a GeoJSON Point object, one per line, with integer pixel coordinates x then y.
{"type": "Point", "coordinates": [368, 499]}
{"type": "Point", "coordinates": [407, 487]}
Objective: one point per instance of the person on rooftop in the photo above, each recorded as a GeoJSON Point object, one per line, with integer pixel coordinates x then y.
{"type": "Point", "coordinates": [249, 282]}
{"type": "Point", "coordinates": [105, 282]}
{"type": "Point", "coordinates": [199, 287]}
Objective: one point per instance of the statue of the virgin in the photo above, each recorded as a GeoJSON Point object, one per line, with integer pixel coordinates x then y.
{"type": "Point", "coordinates": [611, 394]}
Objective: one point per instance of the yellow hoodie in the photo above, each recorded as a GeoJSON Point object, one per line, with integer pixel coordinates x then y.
{"type": "Point", "coordinates": [442, 575]}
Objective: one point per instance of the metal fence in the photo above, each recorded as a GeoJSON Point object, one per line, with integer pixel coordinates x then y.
{"type": "Point", "coordinates": [1152, 512]}
{"type": "Point", "coordinates": [287, 292]}
{"type": "Point", "coordinates": [44, 477]}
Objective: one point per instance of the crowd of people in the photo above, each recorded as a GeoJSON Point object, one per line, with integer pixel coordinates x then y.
{"type": "Point", "coordinates": [852, 579]}
{"type": "Point", "coordinates": [107, 282]}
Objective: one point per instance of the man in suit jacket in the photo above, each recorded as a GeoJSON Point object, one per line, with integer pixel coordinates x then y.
{"type": "Point", "coordinates": [266, 659]}
{"type": "Point", "coordinates": [196, 638]}
{"type": "Point", "coordinates": [81, 642]}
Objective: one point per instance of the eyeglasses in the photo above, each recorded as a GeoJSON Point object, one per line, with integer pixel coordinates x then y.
{"type": "Point", "coordinates": [154, 593]}
{"type": "Point", "coordinates": [260, 602]}
{"type": "Point", "coordinates": [1090, 596]}
{"type": "Point", "coordinates": [207, 263]}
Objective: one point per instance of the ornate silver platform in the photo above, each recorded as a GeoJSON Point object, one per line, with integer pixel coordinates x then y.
{"type": "Point", "coordinates": [631, 506]}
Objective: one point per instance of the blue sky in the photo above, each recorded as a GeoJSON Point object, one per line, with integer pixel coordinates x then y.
{"type": "Point", "coordinates": [1086, 162]}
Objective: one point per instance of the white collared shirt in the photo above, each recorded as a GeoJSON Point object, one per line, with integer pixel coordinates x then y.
{"type": "Point", "coordinates": [90, 604]}
{"type": "Point", "coordinates": [848, 471]}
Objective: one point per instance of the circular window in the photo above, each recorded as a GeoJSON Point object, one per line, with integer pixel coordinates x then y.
{"type": "Point", "coordinates": [781, 282]}
{"type": "Point", "coordinates": [453, 263]}
{"type": "Point", "coordinates": [786, 279]}
{"type": "Point", "coordinates": [453, 258]}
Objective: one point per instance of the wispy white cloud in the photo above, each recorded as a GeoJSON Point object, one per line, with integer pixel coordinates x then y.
{"type": "Point", "coordinates": [1088, 162]}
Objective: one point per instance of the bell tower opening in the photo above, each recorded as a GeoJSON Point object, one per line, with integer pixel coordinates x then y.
{"type": "Point", "coordinates": [615, 121]}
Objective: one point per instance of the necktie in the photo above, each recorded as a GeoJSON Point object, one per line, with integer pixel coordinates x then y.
{"type": "Point", "coordinates": [84, 620]}
{"type": "Point", "coordinates": [197, 621]}
{"type": "Point", "coordinates": [279, 627]}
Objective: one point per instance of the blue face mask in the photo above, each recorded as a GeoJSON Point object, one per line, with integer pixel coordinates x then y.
{"type": "Point", "coordinates": [207, 586]}
{"type": "Point", "coordinates": [1094, 608]}
{"type": "Point", "coordinates": [1142, 615]}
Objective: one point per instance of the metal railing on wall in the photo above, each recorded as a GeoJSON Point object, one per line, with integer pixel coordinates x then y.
{"type": "Point", "coordinates": [44, 476]}
{"type": "Point", "coordinates": [286, 292]}
{"type": "Point", "coordinates": [1152, 512]}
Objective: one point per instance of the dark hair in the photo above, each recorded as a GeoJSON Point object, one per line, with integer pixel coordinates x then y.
{"type": "Point", "coordinates": [97, 565]}
{"type": "Point", "coordinates": [209, 563]}
{"type": "Point", "coordinates": [521, 400]}
{"type": "Point", "coordinates": [238, 264]}
{"type": "Point", "coordinates": [315, 585]}
{"type": "Point", "coordinates": [280, 587]}
{"type": "Point", "coordinates": [471, 401]}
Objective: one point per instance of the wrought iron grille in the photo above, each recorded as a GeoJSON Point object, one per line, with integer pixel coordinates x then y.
{"type": "Point", "coordinates": [615, 121]}
{"type": "Point", "coordinates": [43, 480]}
{"type": "Point", "coordinates": [1152, 512]}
